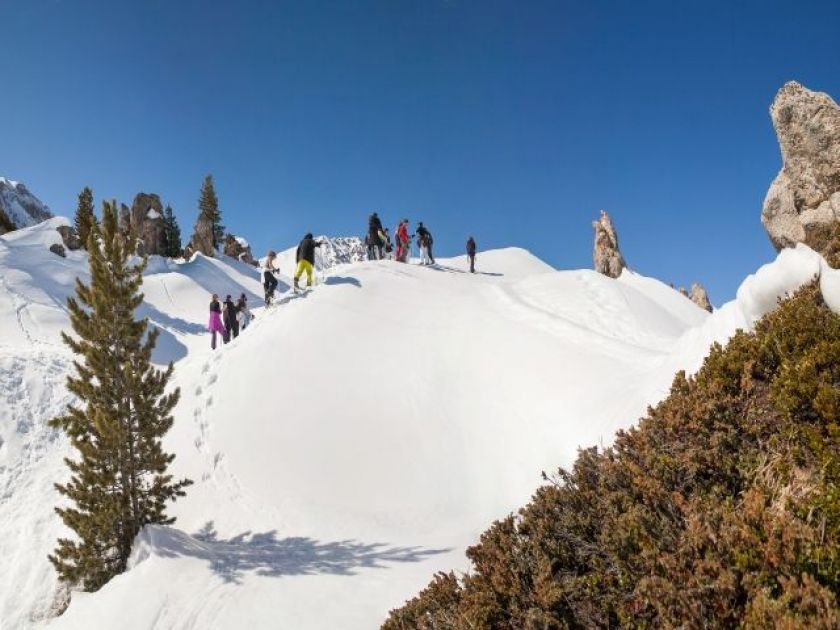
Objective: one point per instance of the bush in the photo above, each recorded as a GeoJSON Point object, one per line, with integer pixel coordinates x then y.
{"type": "Point", "coordinates": [720, 509]}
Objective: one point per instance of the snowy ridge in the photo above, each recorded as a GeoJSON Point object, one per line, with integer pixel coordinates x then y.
{"type": "Point", "coordinates": [336, 251]}
{"type": "Point", "coordinates": [22, 207]}
{"type": "Point", "coordinates": [354, 439]}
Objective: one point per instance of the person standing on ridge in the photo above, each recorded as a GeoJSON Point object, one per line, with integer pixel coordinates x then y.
{"type": "Point", "coordinates": [374, 238]}
{"type": "Point", "coordinates": [471, 253]}
{"type": "Point", "coordinates": [269, 279]}
{"type": "Point", "coordinates": [215, 324]}
{"type": "Point", "coordinates": [229, 316]}
{"type": "Point", "coordinates": [424, 239]}
{"type": "Point", "coordinates": [305, 257]}
{"type": "Point", "coordinates": [389, 246]}
{"type": "Point", "coordinates": [403, 241]}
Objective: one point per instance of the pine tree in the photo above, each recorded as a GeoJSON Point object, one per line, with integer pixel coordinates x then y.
{"type": "Point", "coordinates": [172, 233]}
{"type": "Point", "coordinates": [84, 215]}
{"type": "Point", "coordinates": [208, 205]}
{"type": "Point", "coordinates": [119, 483]}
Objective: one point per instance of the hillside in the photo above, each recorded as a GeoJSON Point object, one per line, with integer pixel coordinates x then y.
{"type": "Point", "coordinates": [19, 208]}
{"type": "Point", "coordinates": [355, 439]}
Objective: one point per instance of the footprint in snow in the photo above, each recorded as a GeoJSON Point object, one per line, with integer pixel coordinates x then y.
{"type": "Point", "coordinates": [213, 378]}
{"type": "Point", "coordinates": [209, 401]}
{"type": "Point", "coordinates": [198, 390]}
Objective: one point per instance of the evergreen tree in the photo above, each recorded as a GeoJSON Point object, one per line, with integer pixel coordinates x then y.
{"type": "Point", "coordinates": [208, 205]}
{"type": "Point", "coordinates": [85, 218]}
{"type": "Point", "coordinates": [172, 233]}
{"type": "Point", "coordinates": [119, 483]}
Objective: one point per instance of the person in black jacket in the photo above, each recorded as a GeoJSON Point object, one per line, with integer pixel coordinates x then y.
{"type": "Point", "coordinates": [471, 253]}
{"type": "Point", "coordinates": [423, 235]}
{"type": "Point", "coordinates": [229, 315]}
{"type": "Point", "coordinates": [305, 258]}
{"type": "Point", "coordinates": [374, 240]}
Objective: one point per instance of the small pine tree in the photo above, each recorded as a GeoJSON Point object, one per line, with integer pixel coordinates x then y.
{"type": "Point", "coordinates": [208, 205]}
{"type": "Point", "coordinates": [85, 218]}
{"type": "Point", "coordinates": [119, 483]}
{"type": "Point", "coordinates": [172, 233]}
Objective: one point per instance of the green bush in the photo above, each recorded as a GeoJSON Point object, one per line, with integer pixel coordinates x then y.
{"type": "Point", "coordinates": [720, 509]}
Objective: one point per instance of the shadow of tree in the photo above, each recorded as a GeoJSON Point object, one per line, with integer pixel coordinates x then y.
{"type": "Point", "coordinates": [265, 554]}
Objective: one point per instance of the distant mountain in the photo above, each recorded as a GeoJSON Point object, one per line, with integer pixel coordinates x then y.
{"type": "Point", "coordinates": [336, 250]}
{"type": "Point", "coordinates": [19, 208]}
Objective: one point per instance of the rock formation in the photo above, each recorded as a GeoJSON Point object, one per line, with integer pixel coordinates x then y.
{"type": "Point", "coordinates": [700, 296]}
{"type": "Point", "coordinates": [607, 256]}
{"type": "Point", "coordinates": [19, 208]}
{"type": "Point", "coordinates": [237, 247]}
{"type": "Point", "coordinates": [70, 237]}
{"type": "Point", "coordinates": [58, 250]}
{"type": "Point", "coordinates": [202, 238]}
{"type": "Point", "coordinates": [805, 196]}
{"type": "Point", "coordinates": [146, 219]}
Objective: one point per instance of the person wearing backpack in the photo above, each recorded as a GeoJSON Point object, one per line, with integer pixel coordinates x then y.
{"type": "Point", "coordinates": [243, 313]}
{"type": "Point", "coordinates": [229, 316]}
{"type": "Point", "coordinates": [424, 239]}
{"type": "Point", "coordinates": [305, 257]}
{"type": "Point", "coordinates": [215, 324]}
{"type": "Point", "coordinates": [374, 240]}
{"type": "Point", "coordinates": [471, 253]}
{"type": "Point", "coordinates": [269, 278]}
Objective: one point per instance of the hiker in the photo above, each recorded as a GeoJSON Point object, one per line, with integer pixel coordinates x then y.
{"type": "Point", "coordinates": [243, 313]}
{"type": "Point", "coordinates": [424, 239]}
{"type": "Point", "coordinates": [389, 246]}
{"type": "Point", "coordinates": [215, 323]}
{"type": "Point", "coordinates": [374, 240]}
{"type": "Point", "coordinates": [471, 253]}
{"type": "Point", "coordinates": [269, 279]}
{"type": "Point", "coordinates": [229, 318]}
{"type": "Point", "coordinates": [403, 241]}
{"type": "Point", "coordinates": [305, 257]}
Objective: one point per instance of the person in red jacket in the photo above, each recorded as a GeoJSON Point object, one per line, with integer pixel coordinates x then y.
{"type": "Point", "coordinates": [403, 241]}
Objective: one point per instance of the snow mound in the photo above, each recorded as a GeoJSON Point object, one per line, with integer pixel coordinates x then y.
{"type": "Point", "coordinates": [355, 438]}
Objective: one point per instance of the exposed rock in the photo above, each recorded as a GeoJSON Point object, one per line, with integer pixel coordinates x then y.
{"type": "Point", "coordinates": [146, 218]}
{"type": "Point", "coordinates": [607, 256]}
{"type": "Point", "coordinates": [806, 193]}
{"type": "Point", "coordinates": [202, 238]}
{"type": "Point", "coordinates": [19, 207]}
{"type": "Point", "coordinates": [237, 247]}
{"type": "Point", "coordinates": [125, 219]}
{"type": "Point", "coordinates": [700, 296]}
{"type": "Point", "coordinates": [58, 250]}
{"type": "Point", "coordinates": [683, 291]}
{"type": "Point", "coordinates": [70, 237]}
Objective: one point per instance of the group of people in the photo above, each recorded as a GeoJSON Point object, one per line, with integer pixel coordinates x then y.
{"type": "Point", "coordinates": [228, 318]}
{"type": "Point", "coordinates": [380, 247]}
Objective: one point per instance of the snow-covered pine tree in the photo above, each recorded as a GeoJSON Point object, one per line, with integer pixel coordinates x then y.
{"type": "Point", "coordinates": [119, 483]}
{"type": "Point", "coordinates": [208, 205]}
{"type": "Point", "coordinates": [172, 233]}
{"type": "Point", "coordinates": [84, 215]}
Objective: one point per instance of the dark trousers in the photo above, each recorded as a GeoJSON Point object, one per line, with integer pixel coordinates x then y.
{"type": "Point", "coordinates": [232, 328]}
{"type": "Point", "coordinates": [472, 262]}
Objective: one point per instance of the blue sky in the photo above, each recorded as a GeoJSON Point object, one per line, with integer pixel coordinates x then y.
{"type": "Point", "coordinates": [514, 121]}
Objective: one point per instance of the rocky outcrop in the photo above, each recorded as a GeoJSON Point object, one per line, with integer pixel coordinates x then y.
{"type": "Point", "coordinates": [607, 256]}
{"type": "Point", "coordinates": [70, 237]}
{"type": "Point", "coordinates": [19, 207]}
{"type": "Point", "coordinates": [700, 296]}
{"type": "Point", "coordinates": [202, 238]}
{"type": "Point", "coordinates": [237, 247]}
{"type": "Point", "coordinates": [805, 196]}
{"type": "Point", "coordinates": [58, 250]}
{"type": "Point", "coordinates": [146, 219]}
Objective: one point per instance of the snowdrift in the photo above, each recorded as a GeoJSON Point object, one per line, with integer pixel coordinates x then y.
{"type": "Point", "coordinates": [354, 439]}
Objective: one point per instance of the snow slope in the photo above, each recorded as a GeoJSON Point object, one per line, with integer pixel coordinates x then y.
{"type": "Point", "coordinates": [351, 442]}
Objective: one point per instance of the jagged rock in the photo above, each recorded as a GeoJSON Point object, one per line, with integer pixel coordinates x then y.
{"type": "Point", "coordinates": [125, 219]}
{"type": "Point", "coordinates": [202, 238]}
{"type": "Point", "coordinates": [58, 250]}
{"type": "Point", "coordinates": [806, 193]}
{"type": "Point", "coordinates": [149, 225]}
{"type": "Point", "coordinates": [607, 256]}
{"type": "Point", "coordinates": [237, 247]}
{"type": "Point", "coordinates": [70, 237]}
{"type": "Point", "coordinates": [683, 291]}
{"type": "Point", "coordinates": [19, 208]}
{"type": "Point", "coordinates": [700, 296]}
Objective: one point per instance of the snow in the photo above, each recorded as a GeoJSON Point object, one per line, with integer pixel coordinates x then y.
{"type": "Point", "coordinates": [353, 440]}
{"type": "Point", "coordinates": [153, 214]}
{"type": "Point", "coordinates": [242, 242]}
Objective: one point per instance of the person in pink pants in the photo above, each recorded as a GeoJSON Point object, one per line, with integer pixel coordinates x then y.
{"type": "Point", "coordinates": [215, 324]}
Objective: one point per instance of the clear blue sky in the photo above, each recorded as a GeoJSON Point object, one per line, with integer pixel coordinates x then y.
{"type": "Point", "coordinates": [515, 121]}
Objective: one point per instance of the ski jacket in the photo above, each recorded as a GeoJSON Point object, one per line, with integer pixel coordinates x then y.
{"type": "Point", "coordinates": [402, 235]}
{"type": "Point", "coordinates": [374, 225]}
{"type": "Point", "coordinates": [471, 247]}
{"type": "Point", "coordinates": [243, 312]}
{"type": "Point", "coordinates": [230, 312]}
{"type": "Point", "coordinates": [423, 232]}
{"type": "Point", "coordinates": [306, 250]}
{"type": "Point", "coordinates": [215, 323]}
